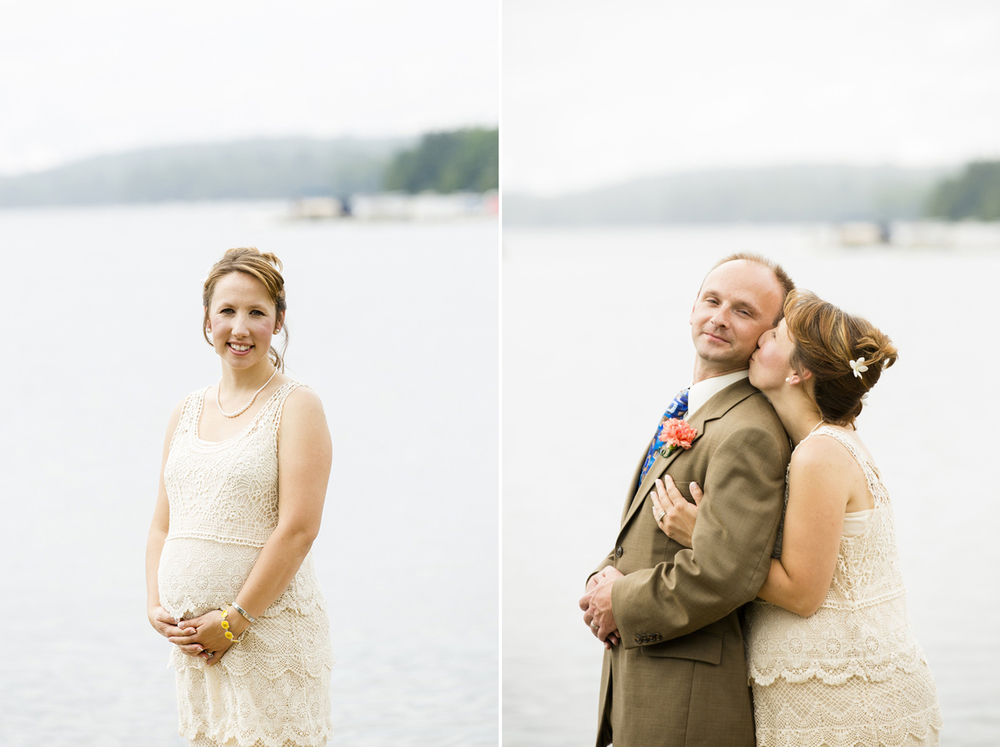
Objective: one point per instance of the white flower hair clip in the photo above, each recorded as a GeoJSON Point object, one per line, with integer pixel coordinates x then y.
{"type": "Point", "coordinates": [859, 366]}
{"type": "Point", "coordinates": [864, 399]}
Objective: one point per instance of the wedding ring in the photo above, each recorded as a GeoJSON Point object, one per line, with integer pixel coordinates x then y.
{"type": "Point", "coordinates": [594, 626]}
{"type": "Point", "coordinates": [660, 517]}
{"type": "Point", "coordinates": [210, 654]}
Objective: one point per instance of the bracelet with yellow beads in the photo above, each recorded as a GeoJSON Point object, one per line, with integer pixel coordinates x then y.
{"type": "Point", "coordinates": [225, 626]}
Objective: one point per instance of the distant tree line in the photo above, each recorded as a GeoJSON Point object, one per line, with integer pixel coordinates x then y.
{"type": "Point", "coordinates": [781, 194]}
{"type": "Point", "coordinates": [785, 194]}
{"type": "Point", "coordinates": [266, 169]}
{"type": "Point", "coordinates": [974, 193]}
{"type": "Point", "coordinates": [468, 159]}
{"type": "Point", "coordinates": [462, 160]}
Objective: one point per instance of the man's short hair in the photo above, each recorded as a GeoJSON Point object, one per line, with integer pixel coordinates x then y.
{"type": "Point", "coordinates": [786, 283]}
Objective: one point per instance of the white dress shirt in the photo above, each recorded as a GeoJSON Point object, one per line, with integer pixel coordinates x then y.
{"type": "Point", "coordinates": [704, 390]}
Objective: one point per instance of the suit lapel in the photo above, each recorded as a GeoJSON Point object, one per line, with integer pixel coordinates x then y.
{"type": "Point", "coordinates": [714, 409]}
{"type": "Point", "coordinates": [634, 482]}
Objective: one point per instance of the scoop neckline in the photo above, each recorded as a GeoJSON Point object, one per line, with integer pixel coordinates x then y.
{"type": "Point", "coordinates": [201, 407]}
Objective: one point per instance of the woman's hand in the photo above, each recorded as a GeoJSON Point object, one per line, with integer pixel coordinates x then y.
{"type": "Point", "coordinates": [166, 625]}
{"type": "Point", "coordinates": [209, 637]}
{"type": "Point", "coordinates": [674, 515]}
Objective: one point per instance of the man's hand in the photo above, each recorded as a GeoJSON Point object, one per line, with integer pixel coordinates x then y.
{"type": "Point", "coordinates": [596, 606]}
{"type": "Point", "coordinates": [601, 575]}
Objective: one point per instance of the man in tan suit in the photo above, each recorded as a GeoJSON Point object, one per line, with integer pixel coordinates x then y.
{"type": "Point", "coordinates": [674, 666]}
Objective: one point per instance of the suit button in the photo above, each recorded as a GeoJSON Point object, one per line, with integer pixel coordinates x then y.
{"type": "Point", "coordinates": [638, 639]}
{"type": "Point", "coordinates": [619, 551]}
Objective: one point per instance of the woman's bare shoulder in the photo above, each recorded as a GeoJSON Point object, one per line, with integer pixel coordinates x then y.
{"type": "Point", "coordinates": [303, 426]}
{"type": "Point", "coordinates": [821, 454]}
{"type": "Point", "coordinates": [824, 461]}
{"type": "Point", "coordinates": [303, 409]}
{"type": "Point", "coordinates": [303, 398]}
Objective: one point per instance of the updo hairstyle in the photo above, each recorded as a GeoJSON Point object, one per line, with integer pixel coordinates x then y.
{"type": "Point", "coordinates": [265, 267]}
{"type": "Point", "coordinates": [826, 341]}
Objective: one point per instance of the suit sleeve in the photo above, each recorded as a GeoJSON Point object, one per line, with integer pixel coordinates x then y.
{"type": "Point", "coordinates": [732, 543]}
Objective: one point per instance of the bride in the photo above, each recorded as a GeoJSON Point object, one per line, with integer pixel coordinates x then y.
{"type": "Point", "coordinates": [831, 655]}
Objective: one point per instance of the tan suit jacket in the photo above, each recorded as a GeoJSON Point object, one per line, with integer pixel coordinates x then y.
{"type": "Point", "coordinates": [679, 677]}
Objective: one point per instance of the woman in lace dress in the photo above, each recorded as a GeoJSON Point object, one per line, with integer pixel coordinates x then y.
{"type": "Point", "coordinates": [831, 654]}
{"type": "Point", "coordinates": [230, 577]}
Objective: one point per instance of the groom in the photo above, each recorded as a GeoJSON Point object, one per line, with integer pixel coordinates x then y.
{"type": "Point", "coordinates": [675, 669]}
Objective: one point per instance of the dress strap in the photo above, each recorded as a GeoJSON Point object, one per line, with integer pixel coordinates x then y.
{"type": "Point", "coordinates": [271, 412]}
{"type": "Point", "coordinates": [191, 412]}
{"type": "Point", "coordinates": [870, 470]}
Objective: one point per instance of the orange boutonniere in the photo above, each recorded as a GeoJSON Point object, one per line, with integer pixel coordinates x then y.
{"type": "Point", "coordinates": [676, 434]}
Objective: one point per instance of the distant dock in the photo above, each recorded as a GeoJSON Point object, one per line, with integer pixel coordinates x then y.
{"type": "Point", "coordinates": [398, 206]}
{"type": "Point", "coordinates": [967, 234]}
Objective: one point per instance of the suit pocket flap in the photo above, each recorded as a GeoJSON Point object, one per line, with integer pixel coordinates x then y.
{"type": "Point", "coordinates": [705, 647]}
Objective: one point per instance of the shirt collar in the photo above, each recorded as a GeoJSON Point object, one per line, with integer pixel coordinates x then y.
{"type": "Point", "coordinates": [699, 394]}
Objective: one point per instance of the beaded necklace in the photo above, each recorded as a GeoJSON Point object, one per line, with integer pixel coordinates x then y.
{"type": "Point", "coordinates": [218, 391]}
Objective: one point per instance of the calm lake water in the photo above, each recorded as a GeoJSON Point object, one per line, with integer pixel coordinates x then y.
{"type": "Point", "coordinates": [595, 344]}
{"type": "Point", "coordinates": [396, 328]}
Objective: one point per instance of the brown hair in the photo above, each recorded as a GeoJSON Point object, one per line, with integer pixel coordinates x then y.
{"type": "Point", "coordinates": [786, 283]}
{"type": "Point", "coordinates": [265, 267]}
{"type": "Point", "coordinates": [826, 340]}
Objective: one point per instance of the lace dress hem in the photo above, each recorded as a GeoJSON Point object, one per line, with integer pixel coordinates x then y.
{"type": "Point", "coordinates": [838, 675]}
{"type": "Point", "coordinates": [915, 730]}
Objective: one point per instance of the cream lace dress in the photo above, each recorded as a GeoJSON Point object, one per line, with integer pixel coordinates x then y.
{"type": "Point", "coordinates": [853, 672]}
{"type": "Point", "coordinates": [272, 689]}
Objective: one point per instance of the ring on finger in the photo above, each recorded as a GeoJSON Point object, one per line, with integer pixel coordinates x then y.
{"type": "Point", "coordinates": [594, 626]}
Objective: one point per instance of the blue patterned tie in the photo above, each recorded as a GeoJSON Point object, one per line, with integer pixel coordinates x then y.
{"type": "Point", "coordinates": [678, 409]}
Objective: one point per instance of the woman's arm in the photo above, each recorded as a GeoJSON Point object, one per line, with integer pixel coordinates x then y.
{"type": "Point", "coordinates": [819, 483]}
{"type": "Point", "coordinates": [818, 491]}
{"type": "Point", "coordinates": [159, 618]}
{"type": "Point", "coordinates": [304, 457]}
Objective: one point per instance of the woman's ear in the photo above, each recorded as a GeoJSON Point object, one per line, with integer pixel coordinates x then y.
{"type": "Point", "coordinates": [798, 378]}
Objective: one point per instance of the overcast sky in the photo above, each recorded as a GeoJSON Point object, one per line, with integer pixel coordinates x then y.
{"type": "Point", "coordinates": [596, 92]}
{"type": "Point", "coordinates": [79, 78]}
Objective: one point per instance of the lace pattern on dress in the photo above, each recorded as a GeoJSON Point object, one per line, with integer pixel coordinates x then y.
{"type": "Point", "coordinates": [901, 712]}
{"type": "Point", "coordinates": [213, 471]}
{"type": "Point", "coordinates": [272, 688]}
{"type": "Point", "coordinates": [860, 641]}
